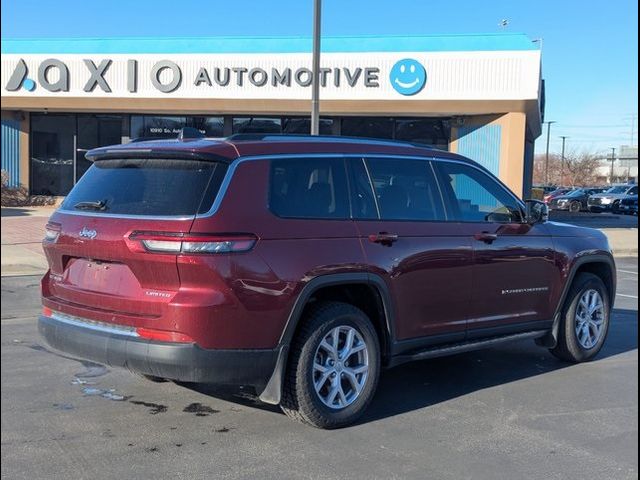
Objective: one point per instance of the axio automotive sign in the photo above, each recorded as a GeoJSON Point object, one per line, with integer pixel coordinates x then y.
{"type": "Point", "coordinates": [343, 76]}
{"type": "Point", "coordinates": [222, 76]}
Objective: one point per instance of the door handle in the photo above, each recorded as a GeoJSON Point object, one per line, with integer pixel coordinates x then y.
{"type": "Point", "coordinates": [383, 238]}
{"type": "Point", "coordinates": [486, 237]}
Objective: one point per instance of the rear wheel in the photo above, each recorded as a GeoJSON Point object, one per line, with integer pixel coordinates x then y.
{"type": "Point", "coordinates": [575, 207]}
{"type": "Point", "coordinates": [585, 320]}
{"type": "Point", "coordinates": [333, 367]}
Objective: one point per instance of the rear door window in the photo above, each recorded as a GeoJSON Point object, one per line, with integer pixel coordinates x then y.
{"type": "Point", "coordinates": [405, 189]}
{"type": "Point", "coordinates": [309, 188]}
{"type": "Point", "coordinates": [154, 187]}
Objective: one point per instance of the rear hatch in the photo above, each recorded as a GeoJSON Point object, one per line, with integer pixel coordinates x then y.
{"type": "Point", "coordinates": [110, 246]}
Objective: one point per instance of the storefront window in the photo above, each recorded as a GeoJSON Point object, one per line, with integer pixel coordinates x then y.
{"type": "Point", "coordinates": [257, 125]}
{"type": "Point", "coordinates": [209, 126]}
{"type": "Point", "coordinates": [373, 127]}
{"type": "Point", "coordinates": [148, 126]}
{"type": "Point", "coordinates": [156, 126]}
{"type": "Point", "coordinates": [301, 125]}
{"type": "Point", "coordinates": [52, 154]}
{"type": "Point", "coordinates": [430, 131]}
{"type": "Point", "coordinates": [95, 131]}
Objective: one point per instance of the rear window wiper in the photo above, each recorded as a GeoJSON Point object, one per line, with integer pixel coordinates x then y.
{"type": "Point", "coordinates": [99, 205]}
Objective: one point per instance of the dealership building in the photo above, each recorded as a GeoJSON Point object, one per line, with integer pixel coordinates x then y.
{"type": "Point", "coordinates": [479, 95]}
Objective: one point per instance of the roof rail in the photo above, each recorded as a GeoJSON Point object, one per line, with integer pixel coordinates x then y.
{"type": "Point", "coordinates": [190, 133]}
{"type": "Point", "coordinates": [301, 137]}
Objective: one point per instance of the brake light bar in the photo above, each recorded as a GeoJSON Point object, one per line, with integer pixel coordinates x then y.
{"type": "Point", "coordinates": [170, 242]}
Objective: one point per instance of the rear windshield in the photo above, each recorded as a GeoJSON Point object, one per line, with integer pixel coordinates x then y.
{"type": "Point", "coordinates": [147, 187]}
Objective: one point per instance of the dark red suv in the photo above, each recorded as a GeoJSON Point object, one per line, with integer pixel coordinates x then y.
{"type": "Point", "coordinates": [302, 266]}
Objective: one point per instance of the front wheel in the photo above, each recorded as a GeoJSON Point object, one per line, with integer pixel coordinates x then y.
{"type": "Point", "coordinates": [584, 323]}
{"type": "Point", "coordinates": [615, 208]}
{"type": "Point", "coordinates": [333, 367]}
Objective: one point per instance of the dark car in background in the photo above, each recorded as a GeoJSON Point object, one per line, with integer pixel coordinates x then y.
{"type": "Point", "coordinates": [610, 200]}
{"type": "Point", "coordinates": [629, 205]}
{"type": "Point", "coordinates": [575, 200]}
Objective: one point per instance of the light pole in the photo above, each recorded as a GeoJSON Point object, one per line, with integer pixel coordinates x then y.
{"type": "Point", "coordinates": [546, 158]}
{"type": "Point", "coordinates": [613, 159]}
{"type": "Point", "coordinates": [564, 139]}
{"type": "Point", "coordinates": [315, 69]}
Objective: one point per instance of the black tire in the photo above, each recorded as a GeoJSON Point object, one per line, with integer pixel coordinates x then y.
{"type": "Point", "coordinates": [575, 207]}
{"type": "Point", "coordinates": [568, 347]}
{"type": "Point", "coordinates": [299, 399]}
{"type": "Point", "coordinates": [615, 208]}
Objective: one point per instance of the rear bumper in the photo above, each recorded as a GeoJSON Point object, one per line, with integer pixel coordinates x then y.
{"type": "Point", "coordinates": [185, 362]}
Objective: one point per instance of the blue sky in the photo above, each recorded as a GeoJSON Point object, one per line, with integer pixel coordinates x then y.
{"type": "Point", "coordinates": [590, 52]}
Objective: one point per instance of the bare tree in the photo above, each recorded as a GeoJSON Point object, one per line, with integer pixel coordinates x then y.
{"type": "Point", "coordinates": [578, 169]}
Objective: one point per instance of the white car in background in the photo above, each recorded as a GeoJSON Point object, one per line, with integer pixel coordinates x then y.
{"type": "Point", "coordinates": [610, 200]}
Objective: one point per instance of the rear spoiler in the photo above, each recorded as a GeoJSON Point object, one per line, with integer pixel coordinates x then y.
{"type": "Point", "coordinates": [119, 153]}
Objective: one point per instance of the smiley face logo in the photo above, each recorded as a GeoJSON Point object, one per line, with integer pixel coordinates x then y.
{"type": "Point", "coordinates": [408, 76]}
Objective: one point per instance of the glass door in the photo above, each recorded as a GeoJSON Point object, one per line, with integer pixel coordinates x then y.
{"type": "Point", "coordinates": [52, 139]}
{"type": "Point", "coordinates": [95, 131]}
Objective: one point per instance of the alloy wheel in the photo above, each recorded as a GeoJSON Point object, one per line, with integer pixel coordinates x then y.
{"type": "Point", "coordinates": [340, 367]}
{"type": "Point", "coordinates": [590, 317]}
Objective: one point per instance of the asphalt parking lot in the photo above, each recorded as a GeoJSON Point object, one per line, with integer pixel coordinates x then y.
{"type": "Point", "coordinates": [504, 413]}
{"type": "Point", "coordinates": [595, 220]}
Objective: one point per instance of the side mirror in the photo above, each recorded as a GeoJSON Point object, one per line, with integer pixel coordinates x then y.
{"type": "Point", "coordinates": [537, 212]}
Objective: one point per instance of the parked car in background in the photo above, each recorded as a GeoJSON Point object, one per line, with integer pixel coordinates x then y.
{"type": "Point", "coordinates": [629, 205]}
{"type": "Point", "coordinates": [556, 193]}
{"type": "Point", "coordinates": [610, 200]}
{"type": "Point", "coordinates": [575, 200]}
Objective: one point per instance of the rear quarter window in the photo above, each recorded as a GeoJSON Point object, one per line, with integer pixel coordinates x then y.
{"type": "Point", "coordinates": [155, 187]}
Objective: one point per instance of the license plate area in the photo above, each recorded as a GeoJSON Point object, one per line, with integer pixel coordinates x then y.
{"type": "Point", "coordinates": [110, 278]}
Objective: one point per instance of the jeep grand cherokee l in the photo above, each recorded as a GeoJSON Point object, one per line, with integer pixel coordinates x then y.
{"type": "Point", "coordinates": [303, 266]}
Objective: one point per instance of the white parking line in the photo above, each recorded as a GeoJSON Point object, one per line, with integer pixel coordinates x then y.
{"type": "Point", "coordinates": [626, 296]}
{"type": "Point", "coordinates": [628, 271]}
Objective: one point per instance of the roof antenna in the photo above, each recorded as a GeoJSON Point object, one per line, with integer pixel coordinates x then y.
{"type": "Point", "coordinates": [189, 133]}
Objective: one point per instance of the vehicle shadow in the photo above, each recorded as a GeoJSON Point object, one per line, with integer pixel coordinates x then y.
{"type": "Point", "coordinates": [421, 384]}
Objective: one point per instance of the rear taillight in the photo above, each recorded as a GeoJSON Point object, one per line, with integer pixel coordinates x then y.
{"type": "Point", "coordinates": [52, 232]}
{"type": "Point", "coordinates": [167, 242]}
